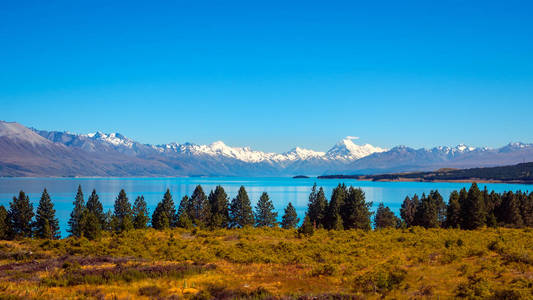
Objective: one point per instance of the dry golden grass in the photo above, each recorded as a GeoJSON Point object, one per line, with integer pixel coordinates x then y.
{"type": "Point", "coordinates": [259, 263]}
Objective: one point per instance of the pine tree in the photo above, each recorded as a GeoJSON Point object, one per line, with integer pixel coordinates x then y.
{"type": "Point", "coordinates": [385, 218]}
{"type": "Point", "coordinates": [241, 210]}
{"type": "Point", "coordinates": [408, 210]}
{"type": "Point", "coordinates": [307, 227]}
{"type": "Point", "coordinates": [20, 216]}
{"type": "Point", "coordinates": [427, 214]}
{"type": "Point", "coordinates": [3, 223]}
{"type": "Point", "coordinates": [219, 205]}
{"type": "Point", "coordinates": [77, 214]}
{"type": "Point", "coordinates": [438, 201]}
{"type": "Point", "coordinates": [355, 211]}
{"type": "Point", "coordinates": [526, 208]}
{"type": "Point", "coordinates": [337, 223]}
{"type": "Point", "coordinates": [182, 217]}
{"type": "Point", "coordinates": [316, 209]}
{"type": "Point", "coordinates": [91, 228]}
{"type": "Point", "coordinates": [473, 214]}
{"type": "Point", "coordinates": [493, 206]}
{"type": "Point", "coordinates": [140, 213]}
{"type": "Point", "coordinates": [200, 207]}
{"type": "Point", "coordinates": [46, 225]}
{"type": "Point", "coordinates": [184, 221]}
{"type": "Point", "coordinates": [265, 216]}
{"type": "Point", "coordinates": [453, 211]}
{"type": "Point", "coordinates": [164, 215]}
{"type": "Point", "coordinates": [290, 219]}
{"type": "Point", "coordinates": [333, 211]}
{"type": "Point", "coordinates": [94, 206]}
{"type": "Point", "coordinates": [511, 210]}
{"type": "Point", "coordinates": [108, 220]}
{"type": "Point", "coordinates": [123, 213]}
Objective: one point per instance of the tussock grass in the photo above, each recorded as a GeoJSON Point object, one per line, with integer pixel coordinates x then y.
{"type": "Point", "coordinates": [257, 263]}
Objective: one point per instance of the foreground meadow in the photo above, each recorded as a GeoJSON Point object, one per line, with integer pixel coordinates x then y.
{"type": "Point", "coordinates": [261, 263]}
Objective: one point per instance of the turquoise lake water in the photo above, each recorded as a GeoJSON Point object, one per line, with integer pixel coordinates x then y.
{"type": "Point", "coordinates": [281, 190]}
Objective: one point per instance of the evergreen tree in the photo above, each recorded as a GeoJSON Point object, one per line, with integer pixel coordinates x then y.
{"type": "Point", "coordinates": [46, 225]}
{"type": "Point", "coordinates": [473, 214]}
{"type": "Point", "coordinates": [333, 211]}
{"type": "Point", "coordinates": [200, 207]}
{"type": "Point", "coordinates": [493, 206]}
{"type": "Point", "coordinates": [316, 209]}
{"type": "Point", "coordinates": [95, 207]}
{"type": "Point", "coordinates": [453, 211]}
{"type": "Point", "coordinates": [108, 220]}
{"type": "Point", "coordinates": [91, 226]}
{"type": "Point", "coordinates": [526, 208]}
{"type": "Point", "coordinates": [511, 210]}
{"type": "Point", "coordinates": [219, 205]}
{"type": "Point", "coordinates": [184, 221]}
{"type": "Point", "coordinates": [408, 210]}
{"type": "Point", "coordinates": [76, 215]}
{"type": "Point", "coordinates": [385, 217]}
{"type": "Point", "coordinates": [123, 213]}
{"type": "Point", "coordinates": [164, 215]}
{"type": "Point", "coordinates": [290, 218]}
{"type": "Point", "coordinates": [182, 217]}
{"type": "Point", "coordinates": [307, 227]}
{"type": "Point", "coordinates": [140, 213]}
{"type": "Point", "coordinates": [241, 210]}
{"type": "Point", "coordinates": [355, 210]}
{"type": "Point", "coordinates": [427, 214]}
{"type": "Point", "coordinates": [4, 228]}
{"type": "Point", "coordinates": [20, 216]}
{"type": "Point", "coordinates": [337, 223]}
{"type": "Point", "coordinates": [265, 216]}
{"type": "Point", "coordinates": [438, 201]}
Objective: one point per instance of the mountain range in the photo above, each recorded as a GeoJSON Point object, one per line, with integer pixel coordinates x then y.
{"type": "Point", "coordinates": [31, 152]}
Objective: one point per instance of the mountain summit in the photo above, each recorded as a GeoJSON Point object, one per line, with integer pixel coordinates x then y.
{"type": "Point", "coordinates": [32, 152]}
{"type": "Point", "coordinates": [346, 149]}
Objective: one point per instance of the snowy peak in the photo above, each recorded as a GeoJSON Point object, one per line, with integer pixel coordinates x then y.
{"type": "Point", "coordinates": [115, 139]}
{"type": "Point", "coordinates": [303, 154]}
{"type": "Point", "coordinates": [346, 149]}
{"type": "Point", "coordinates": [463, 148]}
{"type": "Point", "coordinates": [515, 146]}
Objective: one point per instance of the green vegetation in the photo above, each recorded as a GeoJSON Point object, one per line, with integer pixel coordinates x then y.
{"type": "Point", "coordinates": [520, 173]}
{"type": "Point", "coordinates": [265, 215]}
{"type": "Point", "coordinates": [46, 225]}
{"type": "Point", "coordinates": [210, 248]}
{"type": "Point", "coordinates": [273, 262]}
{"type": "Point", "coordinates": [19, 216]}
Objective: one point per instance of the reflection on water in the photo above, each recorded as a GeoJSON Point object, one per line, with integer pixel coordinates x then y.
{"type": "Point", "coordinates": [280, 190]}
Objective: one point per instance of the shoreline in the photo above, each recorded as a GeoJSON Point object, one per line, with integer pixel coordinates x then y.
{"type": "Point", "coordinates": [477, 180]}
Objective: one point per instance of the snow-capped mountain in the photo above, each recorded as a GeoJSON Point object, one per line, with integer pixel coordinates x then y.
{"type": "Point", "coordinates": [32, 152]}
{"type": "Point", "coordinates": [346, 149]}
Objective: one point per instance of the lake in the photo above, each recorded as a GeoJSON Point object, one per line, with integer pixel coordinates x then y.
{"type": "Point", "coordinates": [281, 190]}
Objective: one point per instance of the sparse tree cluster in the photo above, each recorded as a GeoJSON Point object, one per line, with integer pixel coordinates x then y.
{"type": "Point", "coordinates": [469, 209]}
{"type": "Point", "coordinates": [346, 209]}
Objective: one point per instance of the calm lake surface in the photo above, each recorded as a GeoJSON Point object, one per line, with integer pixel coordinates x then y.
{"type": "Point", "coordinates": [281, 190]}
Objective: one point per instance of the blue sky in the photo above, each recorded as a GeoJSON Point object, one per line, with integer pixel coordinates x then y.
{"type": "Point", "coordinates": [272, 75]}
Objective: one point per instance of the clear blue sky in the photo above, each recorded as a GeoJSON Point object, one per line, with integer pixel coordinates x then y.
{"type": "Point", "coordinates": [272, 75]}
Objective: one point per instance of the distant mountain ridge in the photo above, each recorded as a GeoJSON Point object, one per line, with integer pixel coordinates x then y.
{"type": "Point", "coordinates": [33, 152]}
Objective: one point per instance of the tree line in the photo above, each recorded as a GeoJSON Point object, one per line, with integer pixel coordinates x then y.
{"type": "Point", "coordinates": [347, 208]}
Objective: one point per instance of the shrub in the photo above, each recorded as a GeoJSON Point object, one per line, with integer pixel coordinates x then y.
{"type": "Point", "coordinates": [476, 287]}
{"type": "Point", "coordinates": [151, 291]}
{"type": "Point", "coordinates": [382, 280]}
{"type": "Point", "coordinates": [323, 270]}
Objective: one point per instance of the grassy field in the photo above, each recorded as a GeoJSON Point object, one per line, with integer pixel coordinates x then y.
{"type": "Point", "coordinates": [257, 263]}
